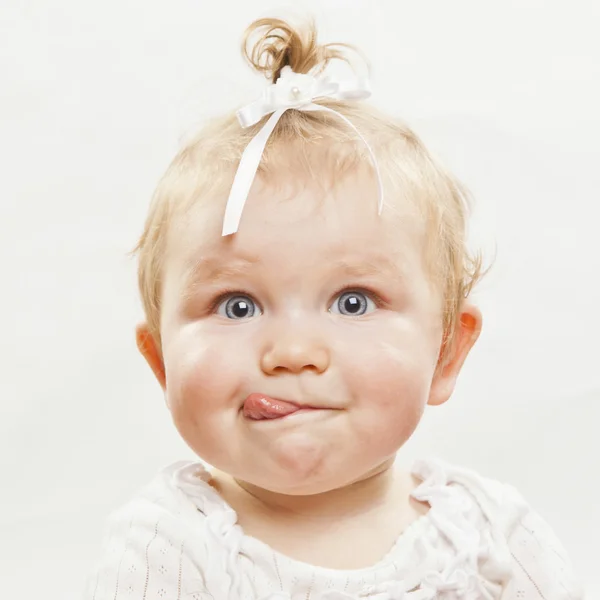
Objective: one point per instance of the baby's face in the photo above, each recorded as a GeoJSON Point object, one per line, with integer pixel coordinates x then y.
{"type": "Point", "coordinates": [316, 300]}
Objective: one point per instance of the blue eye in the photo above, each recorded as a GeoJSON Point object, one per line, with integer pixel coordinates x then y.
{"type": "Point", "coordinates": [352, 304]}
{"type": "Point", "coordinates": [238, 307]}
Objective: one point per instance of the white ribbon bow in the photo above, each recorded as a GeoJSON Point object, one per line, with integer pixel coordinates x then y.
{"type": "Point", "coordinates": [292, 90]}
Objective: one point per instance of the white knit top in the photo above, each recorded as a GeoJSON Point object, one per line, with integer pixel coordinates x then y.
{"type": "Point", "coordinates": [178, 539]}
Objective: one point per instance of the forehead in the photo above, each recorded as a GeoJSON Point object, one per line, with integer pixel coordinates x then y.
{"type": "Point", "coordinates": [295, 221]}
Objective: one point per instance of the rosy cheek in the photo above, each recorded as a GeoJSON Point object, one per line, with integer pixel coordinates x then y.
{"type": "Point", "coordinates": [202, 377]}
{"type": "Point", "coordinates": [393, 375]}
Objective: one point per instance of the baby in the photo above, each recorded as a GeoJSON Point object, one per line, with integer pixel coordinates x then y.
{"type": "Point", "coordinates": [306, 281]}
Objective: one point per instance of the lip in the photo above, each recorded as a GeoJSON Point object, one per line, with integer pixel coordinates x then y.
{"type": "Point", "coordinates": [299, 405]}
{"type": "Point", "coordinates": [301, 414]}
{"type": "Point", "coordinates": [301, 408]}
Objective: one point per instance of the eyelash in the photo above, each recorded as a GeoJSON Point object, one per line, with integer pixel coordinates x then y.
{"type": "Point", "coordinates": [379, 301]}
{"type": "Point", "coordinates": [228, 293]}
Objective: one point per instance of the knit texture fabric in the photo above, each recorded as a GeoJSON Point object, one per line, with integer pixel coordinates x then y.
{"type": "Point", "coordinates": [179, 540]}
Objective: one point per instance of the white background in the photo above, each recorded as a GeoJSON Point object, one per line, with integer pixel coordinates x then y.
{"type": "Point", "coordinates": [94, 100]}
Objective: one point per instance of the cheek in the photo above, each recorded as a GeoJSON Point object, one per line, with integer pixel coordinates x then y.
{"type": "Point", "coordinates": [390, 378]}
{"type": "Point", "coordinates": [200, 373]}
{"type": "Point", "coordinates": [394, 358]}
{"type": "Point", "coordinates": [205, 384]}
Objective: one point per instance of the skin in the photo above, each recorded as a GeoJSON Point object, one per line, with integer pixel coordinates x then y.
{"type": "Point", "coordinates": [371, 374]}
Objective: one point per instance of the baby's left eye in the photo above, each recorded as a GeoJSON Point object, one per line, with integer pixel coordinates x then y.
{"type": "Point", "coordinates": [352, 304]}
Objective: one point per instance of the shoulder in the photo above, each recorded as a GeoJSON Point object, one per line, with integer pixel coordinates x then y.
{"type": "Point", "coordinates": [498, 502]}
{"type": "Point", "coordinates": [160, 540]}
{"type": "Point", "coordinates": [539, 564]}
{"type": "Point", "coordinates": [159, 504]}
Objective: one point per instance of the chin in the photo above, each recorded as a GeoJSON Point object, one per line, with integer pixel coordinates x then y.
{"type": "Point", "coordinates": [311, 475]}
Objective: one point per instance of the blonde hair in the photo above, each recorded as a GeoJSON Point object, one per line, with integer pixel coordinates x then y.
{"type": "Point", "coordinates": [208, 161]}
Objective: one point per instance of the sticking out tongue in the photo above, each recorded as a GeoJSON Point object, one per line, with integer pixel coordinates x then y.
{"type": "Point", "coordinates": [259, 406]}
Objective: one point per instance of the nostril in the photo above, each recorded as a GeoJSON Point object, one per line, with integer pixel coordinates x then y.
{"type": "Point", "coordinates": [290, 356]}
{"type": "Point", "coordinates": [281, 369]}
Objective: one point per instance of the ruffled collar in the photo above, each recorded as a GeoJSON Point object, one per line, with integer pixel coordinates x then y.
{"type": "Point", "coordinates": [477, 569]}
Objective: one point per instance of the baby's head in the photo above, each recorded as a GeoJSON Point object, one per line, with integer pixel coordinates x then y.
{"type": "Point", "coordinates": [318, 300]}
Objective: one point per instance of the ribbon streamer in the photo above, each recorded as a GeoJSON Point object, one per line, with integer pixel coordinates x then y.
{"type": "Point", "coordinates": [297, 91]}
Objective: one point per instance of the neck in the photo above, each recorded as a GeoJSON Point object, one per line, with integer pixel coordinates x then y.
{"type": "Point", "coordinates": [369, 492]}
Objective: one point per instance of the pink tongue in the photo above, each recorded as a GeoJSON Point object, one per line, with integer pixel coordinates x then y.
{"type": "Point", "coordinates": [259, 406]}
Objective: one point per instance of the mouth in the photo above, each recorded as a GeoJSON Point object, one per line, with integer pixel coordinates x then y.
{"type": "Point", "coordinates": [259, 407]}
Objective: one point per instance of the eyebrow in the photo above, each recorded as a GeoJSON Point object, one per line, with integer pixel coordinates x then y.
{"type": "Point", "coordinates": [213, 270]}
{"type": "Point", "coordinates": [210, 269]}
{"type": "Point", "coordinates": [367, 268]}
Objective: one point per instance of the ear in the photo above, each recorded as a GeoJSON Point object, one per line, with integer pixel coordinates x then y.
{"type": "Point", "coordinates": [149, 350]}
{"type": "Point", "coordinates": [468, 329]}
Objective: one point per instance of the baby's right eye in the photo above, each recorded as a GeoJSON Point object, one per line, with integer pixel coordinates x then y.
{"type": "Point", "coordinates": [238, 307]}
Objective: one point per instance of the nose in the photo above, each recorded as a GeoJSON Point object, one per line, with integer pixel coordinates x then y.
{"type": "Point", "coordinates": [294, 352]}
